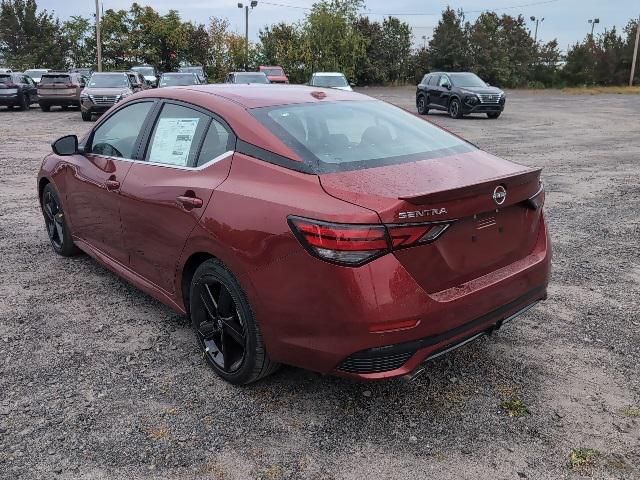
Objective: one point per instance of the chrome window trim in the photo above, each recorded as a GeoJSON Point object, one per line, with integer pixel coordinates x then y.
{"type": "Point", "coordinates": [213, 161]}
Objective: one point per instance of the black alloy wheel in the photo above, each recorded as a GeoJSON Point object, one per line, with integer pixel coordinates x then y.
{"type": "Point", "coordinates": [455, 110]}
{"type": "Point", "coordinates": [225, 327]}
{"type": "Point", "coordinates": [422, 103]}
{"type": "Point", "coordinates": [56, 223]}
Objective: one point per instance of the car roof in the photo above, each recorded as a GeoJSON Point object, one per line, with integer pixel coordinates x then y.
{"type": "Point", "coordinates": [329, 74]}
{"type": "Point", "coordinates": [248, 73]}
{"type": "Point", "coordinates": [178, 73]}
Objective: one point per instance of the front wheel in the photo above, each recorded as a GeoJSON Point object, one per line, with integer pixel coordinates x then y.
{"type": "Point", "coordinates": [455, 110]}
{"type": "Point", "coordinates": [56, 223]}
{"type": "Point", "coordinates": [225, 327]}
{"type": "Point", "coordinates": [421, 104]}
{"type": "Point", "coordinates": [86, 116]}
{"type": "Point", "coordinates": [493, 114]}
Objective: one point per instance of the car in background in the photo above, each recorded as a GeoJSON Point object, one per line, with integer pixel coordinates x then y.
{"type": "Point", "coordinates": [137, 81]}
{"type": "Point", "coordinates": [459, 94]}
{"type": "Point", "coordinates": [275, 73]}
{"type": "Point", "coordinates": [84, 71]}
{"type": "Point", "coordinates": [197, 69]}
{"type": "Point", "coordinates": [17, 90]}
{"type": "Point", "coordinates": [322, 229]}
{"type": "Point", "coordinates": [330, 80]}
{"type": "Point", "coordinates": [149, 73]}
{"type": "Point", "coordinates": [60, 89]}
{"type": "Point", "coordinates": [103, 91]}
{"type": "Point", "coordinates": [246, 77]}
{"type": "Point", "coordinates": [5, 70]}
{"type": "Point", "coordinates": [36, 73]}
{"type": "Point", "coordinates": [177, 79]}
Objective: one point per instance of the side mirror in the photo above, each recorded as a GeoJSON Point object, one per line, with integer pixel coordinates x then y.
{"type": "Point", "coordinates": [67, 145]}
{"type": "Point", "coordinates": [448, 85]}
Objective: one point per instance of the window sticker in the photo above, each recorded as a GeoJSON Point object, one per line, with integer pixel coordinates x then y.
{"type": "Point", "coordinates": [172, 141]}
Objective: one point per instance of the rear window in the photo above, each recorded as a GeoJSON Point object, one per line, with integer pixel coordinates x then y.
{"type": "Point", "coordinates": [52, 79]}
{"type": "Point", "coordinates": [251, 78]}
{"type": "Point", "coordinates": [177, 80]}
{"type": "Point", "coordinates": [5, 78]}
{"type": "Point", "coordinates": [350, 135]}
{"type": "Point", "coordinates": [330, 81]}
{"type": "Point", "coordinates": [275, 72]}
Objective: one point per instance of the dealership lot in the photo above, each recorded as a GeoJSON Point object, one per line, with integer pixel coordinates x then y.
{"type": "Point", "coordinates": [98, 380]}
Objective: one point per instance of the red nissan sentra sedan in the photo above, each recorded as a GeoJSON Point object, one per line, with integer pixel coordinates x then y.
{"type": "Point", "coordinates": [321, 229]}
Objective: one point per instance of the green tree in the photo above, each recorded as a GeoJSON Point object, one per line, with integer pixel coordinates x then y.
{"type": "Point", "coordinates": [370, 70]}
{"type": "Point", "coordinates": [77, 31]}
{"type": "Point", "coordinates": [396, 49]}
{"type": "Point", "coordinates": [449, 46]}
{"type": "Point", "coordinates": [281, 44]}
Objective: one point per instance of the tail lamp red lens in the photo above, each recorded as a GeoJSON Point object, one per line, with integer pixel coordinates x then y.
{"type": "Point", "coordinates": [357, 244]}
{"type": "Point", "coordinates": [536, 201]}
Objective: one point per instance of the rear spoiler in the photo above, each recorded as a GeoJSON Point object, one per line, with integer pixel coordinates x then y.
{"type": "Point", "coordinates": [508, 181]}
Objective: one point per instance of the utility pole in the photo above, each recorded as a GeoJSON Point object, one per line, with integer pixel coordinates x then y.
{"type": "Point", "coordinates": [253, 4]}
{"type": "Point", "coordinates": [635, 53]}
{"type": "Point", "coordinates": [534, 19]}
{"type": "Point", "coordinates": [593, 22]}
{"type": "Point", "coordinates": [98, 44]}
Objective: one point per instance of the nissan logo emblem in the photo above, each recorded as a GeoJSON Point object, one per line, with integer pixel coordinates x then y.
{"type": "Point", "coordinates": [499, 194]}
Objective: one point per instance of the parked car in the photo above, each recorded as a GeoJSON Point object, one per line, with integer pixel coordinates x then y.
{"type": "Point", "coordinates": [275, 74]}
{"type": "Point", "coordinates": [149, 73]}
{"type": "Point", "coordinates": [177, 79]}
{"type": "Point", "coordinates": [330, 80]}
{"type": "Point", "coordinates": [5, 70]}
{"type": "Point", "coordinates": [60, 89]}
{"type": "Point", "coordinates": [138, 81]}
{"type": "Point", "coordinates": [36, 73]}
{"type": "Point", "coordinates": [321, 229]}
{"type": "Point", "coordinates": [197, 69]}
{"type": "Point", "coordinates": [246, 77]}
{"type": "Point", "coordinates": [84, 71]}
{"type": "Point", "coordinates": [17, 90]}
{"type": "Point", "coordinates": [459, 94]}
{"type": "Point", "coordinates": [103, 91]}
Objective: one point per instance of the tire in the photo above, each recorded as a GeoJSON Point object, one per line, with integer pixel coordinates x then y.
{"type": "Point", "coordinates": [493, 114]}
{"type": "Point", "coordinates": [45, 108]}
{"type": "Point", "coordinates": [224, 325]}
{"type": "Point", "coordinates": [455, 109]}
{"type": "Point", "coordinates": [86, 116]}
{"type": "Point", "coordinates": [24, 102]}
{"type": "Point", "coordinates": [56, 223]}
{"type": "Point", "coordinates": [64, 107]}
{"type": "Point", "coordinates": [421, 104]}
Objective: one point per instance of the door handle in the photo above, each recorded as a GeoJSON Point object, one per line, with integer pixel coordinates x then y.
{"type": "Point", "coordinates": [189, 202]}
{"type": "Point", "coordinates": [112, 185]}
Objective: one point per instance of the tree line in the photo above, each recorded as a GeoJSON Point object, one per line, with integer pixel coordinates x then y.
{"type": "Point", "coordinates": [332, 36]}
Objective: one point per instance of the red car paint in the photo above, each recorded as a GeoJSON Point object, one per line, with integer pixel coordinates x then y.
{"type": "Point", "coordinates": [493, 260]}
{"type": "Point", "coordinates": [268, 70]}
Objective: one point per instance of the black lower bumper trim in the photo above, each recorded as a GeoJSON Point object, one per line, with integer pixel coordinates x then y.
{"type": "Point", "coordinates": [390, 357]}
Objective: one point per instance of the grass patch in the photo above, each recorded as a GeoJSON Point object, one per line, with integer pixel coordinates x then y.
{"type": "Point", "coordinates": [515, 408]}
{"type": "Point", "coordinates": [598, 90]}
{"type": "Point", "coordinates": [633, 412]}
{"type": "Point", "coordinates": [583, 459]}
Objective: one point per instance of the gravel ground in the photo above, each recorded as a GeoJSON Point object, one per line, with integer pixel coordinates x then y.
{"type": "Point", "coordinates": [100, 381]}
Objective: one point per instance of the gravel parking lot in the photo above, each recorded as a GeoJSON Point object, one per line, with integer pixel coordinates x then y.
{"type": "Point", "coordinates": [100, 381]}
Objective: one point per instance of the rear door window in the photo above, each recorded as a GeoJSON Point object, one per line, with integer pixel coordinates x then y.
{"type": "Point", "coordinates": [433, 79]}
{"type": "Point", "coordinates": [177, 135]}
{"type": "Point", "coordinates": [117, 135]}
{"type": "Point", "coordinates": [216, 142]}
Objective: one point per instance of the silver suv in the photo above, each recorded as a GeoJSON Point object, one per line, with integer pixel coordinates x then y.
{"type": "Point", "coordinates": [104, 90]}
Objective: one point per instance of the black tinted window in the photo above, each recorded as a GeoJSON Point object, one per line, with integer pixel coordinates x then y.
{"type": "Point", "coordinates": [117, 136]}
{"type": "Point", "coordinates": [433, 79]}
{"type": "Point", "coordinates": [53, 79]}
{"type": "Point", "coordinates": [215, 143]}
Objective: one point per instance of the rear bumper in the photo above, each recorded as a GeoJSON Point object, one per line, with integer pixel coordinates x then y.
{"type": "Point", "coordinates": [59, 101]}
{"type": "Point", "coordinates": [8, 100]}
{"type": "Point", "coordinates": [353, 322]}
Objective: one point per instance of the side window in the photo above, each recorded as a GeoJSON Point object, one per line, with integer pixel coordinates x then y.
{"type": "Point", "coordinates": [117, 136]}
{"type": "Point", "coordinates": [444, 80]}
{"type": "Point", "coordinates": [433, 79]}
{"type": "Point", "coordinates": [215, 143]}
{"type": "Point", "coordinates": [425, 80]}
{"type": "Point", "coordinates": [177, 135]}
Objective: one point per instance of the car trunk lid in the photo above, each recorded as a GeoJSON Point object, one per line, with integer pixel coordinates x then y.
{"type": "Point", "coordinates": [485, 234]}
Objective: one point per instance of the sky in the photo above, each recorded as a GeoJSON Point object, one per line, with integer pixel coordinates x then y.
{"type": "Point", "coordinates": [565, 20]}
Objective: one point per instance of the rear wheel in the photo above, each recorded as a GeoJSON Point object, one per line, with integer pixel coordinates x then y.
{"type": "Point", "coordinates": [56, 223]}
{"type": "Point", "coordinates": [64, 107]}
{"type": "Point", "coordinates": [24, 102]}
{"type": "Point", "coordinates": [45, 108]}
{"type": "Point", "coordinates": [493, 114]}
{"type": "Point", "coordinates": [455, 110]}
{"type": "Point", "coordinates": [421, 104]}
{"type": "Point", "coordinates": [86, 116]}
{"type": "Point", "coordinates": [225, 327]}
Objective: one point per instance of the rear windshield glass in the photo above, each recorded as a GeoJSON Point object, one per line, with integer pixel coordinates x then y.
{"type": "Point", "coordinates": [5, 78]}
{"type": "Point", "coordinates": [147, 71]}
{"type": "Point", "coordinates": [55, 79]}
{"type": "Point", "coordinates": [174, 80]}
{"type": "Point", "coordinates": [35, 73]}
{"type": "Point", "coordinates": [248, 78]}
{"type": "Point", "coordinates": [196, 70]}
{"type": "Point", "coordinates": [350, 135]}
{"type": "Point", "coordinates": [329, 81]}
{"type": "Point", "coordinates": [117, 80]}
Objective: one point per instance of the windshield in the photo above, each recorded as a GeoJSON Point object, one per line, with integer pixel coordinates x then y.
{"type": "Point", "coordinates": [274, 72]}
{"type": "Point", "coordinates": [249, 78]}
{"type": "Point", "coordinates": [146, 71]}
{"type": "Point", "coordinates": [116, 80]}
{"type": "Point", "coordinates": [466, 80]}
{"type": "Point", "coordinates": [35, 73]}
{"type": "Point", "coordinates": [55, 79]}
{"type": "Point", "coordinates": [177, 79]}
{"type": "Point", "coordinates": [197, 70]}
{"type": "Point", "coordinates": [349, 135]}
{"type": "Point", "coordinates": [330, 81]}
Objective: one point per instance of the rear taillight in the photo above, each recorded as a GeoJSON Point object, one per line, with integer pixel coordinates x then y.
{"type": "Point", "coordinates": [71, 85]}
{"type": "Point", "coordinates": [357, 244]}
{"type": "Point", "coordinates": [536, 201]}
